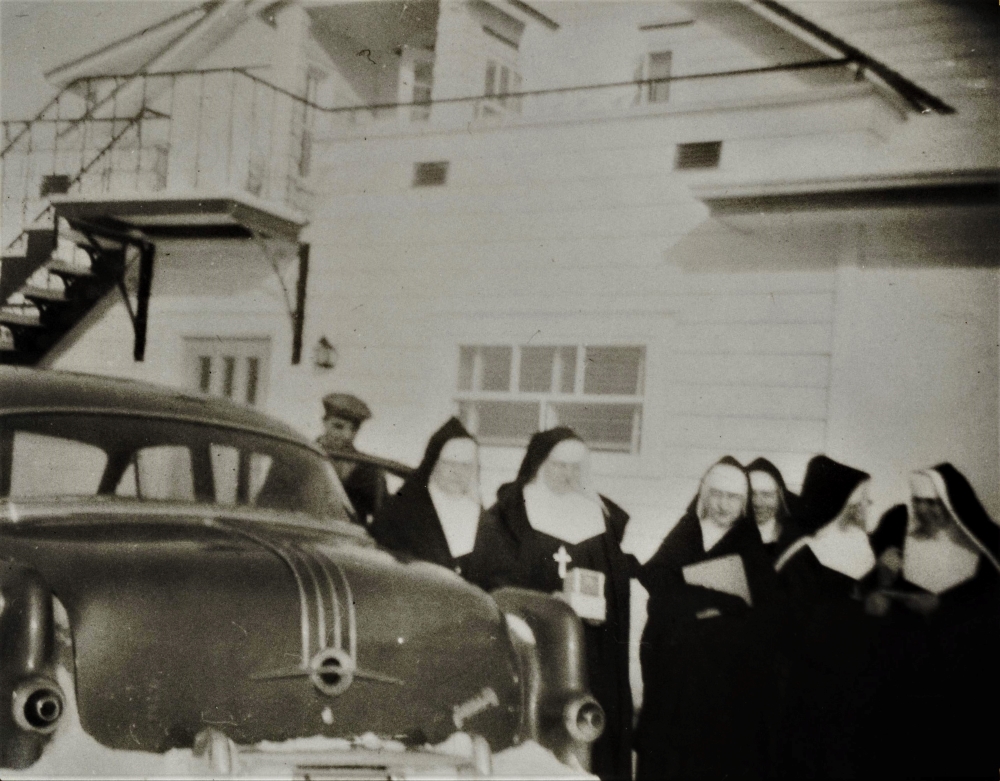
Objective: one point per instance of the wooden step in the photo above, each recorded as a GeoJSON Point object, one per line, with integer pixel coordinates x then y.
{"type": "Point", "coordinates": [33, 293]}
{"type": "Point", "coordinates": [19, 318]}
{"type": "Point", "coordinates": [68, 270]}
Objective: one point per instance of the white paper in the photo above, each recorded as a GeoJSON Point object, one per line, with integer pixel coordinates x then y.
{"type": "Point", "coordinates": [725, 574]}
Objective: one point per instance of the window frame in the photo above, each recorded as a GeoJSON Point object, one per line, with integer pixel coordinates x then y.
{"type": "Point", "coordinates": [549, 400]}
{"type": "Point", "coordinates": [655, 94]}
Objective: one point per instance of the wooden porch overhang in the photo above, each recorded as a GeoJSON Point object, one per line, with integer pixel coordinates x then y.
{"type": "Point", "coordinates": [184, 216]}
{"type": "Point", "coordinates": [929, 220]}
{"type": "Point", "coordinates": [966, 188]}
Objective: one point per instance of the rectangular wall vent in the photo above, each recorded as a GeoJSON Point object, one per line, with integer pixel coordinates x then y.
{"type": "Point", "coordinates": [430, 174]}
{"type": "Point", "coordinates": [703, 154]}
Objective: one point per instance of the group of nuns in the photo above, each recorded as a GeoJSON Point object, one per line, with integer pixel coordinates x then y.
{"type": "Point", "coordinates": [787, 636]}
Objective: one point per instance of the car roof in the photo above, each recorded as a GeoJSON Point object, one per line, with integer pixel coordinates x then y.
{"type": "Point", "coordinates": [24, 390]}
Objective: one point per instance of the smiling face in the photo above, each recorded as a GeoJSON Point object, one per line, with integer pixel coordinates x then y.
{"type": "Point", "coordinates": [723, 495]}
{"type": "Point", "coordinates": [564, 471]}
{"type": "Point", "coordinates": [765, 497]}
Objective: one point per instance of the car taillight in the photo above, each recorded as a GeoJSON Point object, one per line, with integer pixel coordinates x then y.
{"type": "Point", "coordinates": [37, 704]}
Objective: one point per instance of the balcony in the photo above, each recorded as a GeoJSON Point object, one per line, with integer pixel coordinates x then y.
{"type": "Point", "coordinates": [161, 138]}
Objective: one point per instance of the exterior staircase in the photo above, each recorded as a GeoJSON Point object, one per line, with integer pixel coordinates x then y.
{"type": "Point", "coordinates": [105, 171]}
{"type": "Point", "coordinates": [137, 148]}
{"type": "Point", "coordinates": [67, 278]}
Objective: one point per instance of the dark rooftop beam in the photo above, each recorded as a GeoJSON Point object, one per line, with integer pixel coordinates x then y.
{"type": "Point", "coordinates": [919, 98]}
{"type": "Point", "coordinates": [535, 14]}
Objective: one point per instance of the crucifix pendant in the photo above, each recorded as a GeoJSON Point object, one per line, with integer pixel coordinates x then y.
{"type": "Point", "coordinates": [562, 558]}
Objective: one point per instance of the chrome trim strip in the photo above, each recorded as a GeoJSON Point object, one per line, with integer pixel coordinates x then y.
{"type": "Point", "coordinates": [154, 415]}
{"type": "Point", "coordinates": [323, 561]}
{"type": "Point", "coordinates": [19, 510]}
{"type": "Point", "coordinates": [277, 551]}
{"type": "Point", "coordinates": [306, 562]}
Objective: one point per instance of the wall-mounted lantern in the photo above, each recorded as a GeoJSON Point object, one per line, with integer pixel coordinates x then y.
{"type": "Point", "coordinates": [324, 354]}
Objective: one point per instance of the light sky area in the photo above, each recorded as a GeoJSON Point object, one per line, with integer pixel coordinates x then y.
{"type": "Point", "coordinates": [38, 35]}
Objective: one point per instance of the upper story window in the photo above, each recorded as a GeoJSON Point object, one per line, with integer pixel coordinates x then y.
{"type": "Point", "coordinates": [505, 393]}
{"type": "Point", "coordinates": [502, 84]}
{"type": "Point", "coordinates": [658, 67]}
{"type": "Point", "coordinates": [305, 120]}
{"type": "Point", "coordinates": [423, 83]}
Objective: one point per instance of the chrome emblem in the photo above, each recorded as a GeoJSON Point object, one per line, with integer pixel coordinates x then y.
{"type": "Point", "coordinates": [330, 645]}
{"type": "Point", "coordinates": [486, 699]}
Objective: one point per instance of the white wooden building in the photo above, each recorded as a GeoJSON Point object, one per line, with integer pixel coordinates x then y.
{"type": "Point", "coordinates": [685, 228]}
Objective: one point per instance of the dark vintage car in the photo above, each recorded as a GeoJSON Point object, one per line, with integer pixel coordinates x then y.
{"type": "Point", "coordinates": [182, 593]}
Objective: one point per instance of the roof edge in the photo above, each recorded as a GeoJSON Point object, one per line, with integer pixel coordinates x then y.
{"type": "Point", "coordinates": [203, 8]}
{"type": "Point", "coordinates": [975, 187]}
{"type": "Point", "coordinates": [916, 97]}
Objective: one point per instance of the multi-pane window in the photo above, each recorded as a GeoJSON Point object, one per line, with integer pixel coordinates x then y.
{"type": "Point", "coordinates": [306, 120]}
{"type": "Point", "coordinates": [658, 67]}
{"type": "Point", "coordinates": [423, 84]}
{"type": "Point", "coordinates": [501, 88]}
{"type": "Point", "coordinates": [507, 393]}
{"type": "Point", "coordinates": [233, 368]}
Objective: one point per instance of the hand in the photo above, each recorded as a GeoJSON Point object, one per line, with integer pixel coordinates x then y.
{"type": "Point", "coordinates": [925, 604]}
{"type": "Point", "coordinates": [892, 559]}
{"type": "Point", "coordinates": [877, 604]}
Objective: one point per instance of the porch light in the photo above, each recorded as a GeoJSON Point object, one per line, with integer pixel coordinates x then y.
{"type": "Point", "coordinates": [324, 354]}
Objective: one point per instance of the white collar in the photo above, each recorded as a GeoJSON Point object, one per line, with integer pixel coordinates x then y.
{"type": "Point", "coordinates": [570, 517]}
{"type": "Point", "coordinates": [937, 564]}
{"type": "Point", "coordinates": [711, 533]}
{"type": "Point", "coordinates": [459, 519]}
{"type": "Point", "coordinates": [769, 531]}
{"type": "Point", "coordinates": [848, 551]}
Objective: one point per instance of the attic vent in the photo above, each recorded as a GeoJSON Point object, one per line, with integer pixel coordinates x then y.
{"type": "Point", "coordinates": [54, 184]}
{"type": "Point", "coordinates": [430, 174]}
{"type": "Point", "coordinates": [703, 154]}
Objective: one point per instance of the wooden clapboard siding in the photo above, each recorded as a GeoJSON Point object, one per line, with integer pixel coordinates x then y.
{"type": "Point", "coordinates": [763, 401]}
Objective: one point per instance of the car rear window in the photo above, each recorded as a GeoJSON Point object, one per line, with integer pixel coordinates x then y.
{"type": "Point", "coordinates": [61, 455]}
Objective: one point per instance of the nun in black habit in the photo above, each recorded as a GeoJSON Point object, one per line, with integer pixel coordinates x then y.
{"type": "Point", "coordinates": [941, 633]}
{"type": "Point", "coordinates": [832, 675]}
{"type": "Point", "coordinates": [774, 507]}
{"type": "Point", "coordinates": [706, 670]}
{"type": "Point", "coordinates": [435, 514]}
{"type": "Point", "coordinates": [544, 524]}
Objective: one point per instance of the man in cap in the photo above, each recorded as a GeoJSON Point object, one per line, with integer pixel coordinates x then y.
{"type": "Point", "coordinates": [363, 482]}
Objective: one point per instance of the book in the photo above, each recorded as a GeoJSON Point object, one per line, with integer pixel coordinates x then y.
{"type": "Point", "coordinates": [584, 591]}
{"type": "Point", "coordinates": [725, 574]}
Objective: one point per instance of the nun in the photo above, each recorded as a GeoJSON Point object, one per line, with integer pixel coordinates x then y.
{"type": "Point", "coordinates": [435, 514]}
{"type": "Point", "coordinates": [825, 576]}
{"type": "Point", "coordinates": [773, 507]}
{"type": "Point", "coordinates": [551, 531]}
{"type": "Point", "coordinates": [707, 682]}
{"type": "Point", "coordinates": [941, 634]}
